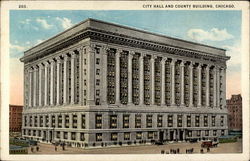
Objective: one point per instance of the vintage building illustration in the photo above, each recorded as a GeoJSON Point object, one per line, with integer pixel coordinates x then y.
{"type": "Point", "coordinates": [99, 83]}
{"type": "Point", "coordinates": [234, 106]}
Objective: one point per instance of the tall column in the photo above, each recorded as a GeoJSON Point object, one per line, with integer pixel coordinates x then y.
{"type": "Point", "coordinates": [65, 79]}
{"type": "Point", "coordinates": [40, 85]}
{"type": "Point", "coordinates": [191, 85]}
{"type": "Point", "coordinates": [80, 51]}
{"type": "Point", "coordinates": [104, 75]}
{"type": "Point", "coordinates": [182, 83]}
{"type": "Point", "coordinates": [218, 86]}
{"type": "Point", "coordinates": [73, 56]}
{"type": "Point", "coordinates": [215, 88]}
{"type": "Point", "coordinates": [91, 75]}
{"type": "Point", "coordinates": [199, 85]}
{"type": "Point", "coordinates": [45, 83]}
{"type": "Point", "coordinates": [141, 79]}
{"type": "Point", "coordinates": [30, 88]}
{"type": "Point", "coordinates": [52, 64]}
{"type": "Point", "coordinates": [173, 82]}
{"type": "Point", "coordinates": [207, 86]}
{"type": "Point", "coordinates": [152, 64]}
{"type": "Point", "coordinates": [224, 87]}
{"type": "Point", "coordinates": [58, 77]}
{"type": "Point", "coordinates": [130, 57]}
{"type": "Point", "coordinates": [117, 75]}
{"type": "Point", "coordinates": [35, 86]}
{"type": "Point", "coordinates": [163, 102]}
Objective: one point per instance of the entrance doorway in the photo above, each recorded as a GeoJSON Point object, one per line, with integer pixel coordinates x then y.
{"type": "Point", "coordinates": [181, 135]}
{"type": "Point", "coordinates": [161, 134]}
{"type": "Point", "coordinates": [171, 136]}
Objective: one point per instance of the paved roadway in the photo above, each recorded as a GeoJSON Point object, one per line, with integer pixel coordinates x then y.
{"type": "Point", "coordinates": [141, 149]}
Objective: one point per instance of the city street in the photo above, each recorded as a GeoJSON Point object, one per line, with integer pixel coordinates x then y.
{"type": "Point", "coordinates": [141, 149]}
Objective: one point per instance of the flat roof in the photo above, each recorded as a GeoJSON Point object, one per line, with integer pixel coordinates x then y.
{"type": "Point", "coordinates": [128, 31]}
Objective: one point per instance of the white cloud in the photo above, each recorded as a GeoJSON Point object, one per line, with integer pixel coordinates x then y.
{"type": "Point", "coordinates": [26, 21]}
{"type": "Point", "coordinates": [235, 53]}
{"type": "Point", "coordinates": [214, 34]}
{"type": "Point", "coordinates": [18, 48]}
{"type": "Point", "coordinates": [44, 23]}
{"type": "Point", "coordinates": [65, 22]}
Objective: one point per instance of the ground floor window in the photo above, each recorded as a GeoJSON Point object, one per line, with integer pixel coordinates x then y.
{"type": "Point", "coordinates": [139, 135]}
{"type": "Point", "coordinates": [99, 137]}
{"type": "Point", "coordinates": [214, 132]}
{"type": "Point", "coordinates": [113, 136]}
{"type": "Point", "coordinates": [150, 135]}
{"type": "Point", "coordinates": [58, 134]}
{"type": "Point", "coordinates": [82, 137]}
{"type": "Point", "coordinates": [206, 132]}
{"type": "Point", "coordinates": [126, 136]}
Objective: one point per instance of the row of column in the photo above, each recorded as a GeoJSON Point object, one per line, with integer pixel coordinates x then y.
{"type": "Point", "coordinates": [219, 78]}
{"type": "Point", "coordinates": [45, 78]}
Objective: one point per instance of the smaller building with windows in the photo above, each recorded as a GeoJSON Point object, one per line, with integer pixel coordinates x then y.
{"type": "Point", "coordinates": [234, 106]}
{"type": "Point", "coordinates": [15, 118]}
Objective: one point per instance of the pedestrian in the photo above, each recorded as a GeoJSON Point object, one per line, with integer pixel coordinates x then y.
{"type": "Point", "coordinates": [178, 151]}
{"type": "Point", "coordinates": [162, 151]}
{"type": "Point", "coordinates": [37, 148]}
{"type": "Point", "coordinates": [208, 149]}
{"type": "Point", "coordinates": [32, 149]}
{"type": "Point", "coordinates": [63, 147]}
{"type": "Point", "coordinates": [201, 151]}
{"type": "Point", "coordinates": [55, 148]}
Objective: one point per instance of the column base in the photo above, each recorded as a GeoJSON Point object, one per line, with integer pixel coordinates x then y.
{"type": "Point", "coordinates": [191, 105]}
{"type": "Point", "coordinates": [182, 105]}
{"type": "Point", "coordinates": [130, 103]}
{"type": "Point", "coordinates": [173, 104]}
{"type": "Point", "coordinates": [198, 106]}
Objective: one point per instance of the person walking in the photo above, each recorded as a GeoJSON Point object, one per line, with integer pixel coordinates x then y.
{"type": "Point", "coordinates": [37, 148]}
{"type": "Point", "coordinates": [32, 149]}
{"type": "Point", "coordinates": [55, 148]}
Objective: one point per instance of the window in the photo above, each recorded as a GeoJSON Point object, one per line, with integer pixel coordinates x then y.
{"type": "Point", "coordinates": [97, 50]}
{"type": "Point", "coordinates": [85, 83]}
{"type": "Point", "coordinates": [125, 121]}
{"type": "Point", "coordinates": [58, 134]}
{"type": "Point", "coordinates": [97, 101]}
{"type": "Point", "coordinates": [222, 121]}
{"type": "Point", "coordinates": [85, 61]}
{"type": "Point", "coordinates": [113, 121]}
{"type": "Point", "coordinates": [98, 136]}
{"type": "Point", "coordinates": [74, 121]}
{"type": "Point", "coordinates": [66, 121]}
{"type": "Point", "coordinates": [113, 136]}
{"type": "Point", "coordinates": [198, 133]}
{"type": "Point", "coordinates": [170, 120]}
{"type": "Point", "coordinates": [98, 123]}
{"type": "Point", "coordinates": [47, 121]}
{"type": "Point", "coordinates": [149, 121]}
{"type": "Point", "coordinates": [126, 136]}
{"type": "Point", "coordinates": [188, 121]}
{"type": "Point", "coordinates": [137, 121]}
{"type": "Point", "coordinates": [97, 71]}
{"type": "Point", "coordinates": [222, 132]}
{"type": "Point", "coordinates": [97, 82]}
{"type": "Point", "coordinates": [98, 92]}
{"type": "Point", "coordinates": [60, 121]}
{"type": "Point", "coordinates": [213, 120]}
{"type": "Point", "coordinates": [82, 136]}
{"type": "Point", "coordinates": [97, 60]}
{"type": "Point", "coordinates": [85, 92]}
{"type": "Point", "coordinates": [65, 135]}
{"type": "Point", "coordinates": [150, 135]}
{"type": "Point", "coordinates": [179, 120]}
{"type": "Point", "coordinates": [206, 132]}
{"type": "Point", "coordinates": [159, 120]}
{"type": "Point", "coordinates": [41, 121]}
{"type": "Point", "coordinates": [85, 72]}
{"type": "Point", "coordinates": [197, 121]}
{"type": "Point", "coordinates": [73, 136]}
{"type": "Point", "coordinates": [138, 135]}
{"type": "Point", "coordinates": [189, 133]}
{"type": "Point", "coordinates": [214, 132]}
{"type": "Point", "coordinates": [205, 121]}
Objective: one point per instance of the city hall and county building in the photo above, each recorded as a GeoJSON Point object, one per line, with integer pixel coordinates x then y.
{"type": "Point", "coordinates": [99, 84]}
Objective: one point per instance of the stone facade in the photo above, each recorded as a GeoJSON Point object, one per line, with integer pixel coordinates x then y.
{"type": "Point", "coordinates": [234, 106]}
{"type": "Point", "coordinates": [99, 83]}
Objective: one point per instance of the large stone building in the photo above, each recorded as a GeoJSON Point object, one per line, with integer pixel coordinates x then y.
{"type": "Point", "coordinates": [99, 83]}
{"type": "Point", "coordinates": [15, 118]}
{"type": "Point", "coordinates": [234, 106]}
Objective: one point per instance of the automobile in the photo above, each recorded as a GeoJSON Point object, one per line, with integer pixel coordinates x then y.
{"type": "Point", "coordinates": [193, 140]}
{"type": "Point", "coordinates": [209, 144]}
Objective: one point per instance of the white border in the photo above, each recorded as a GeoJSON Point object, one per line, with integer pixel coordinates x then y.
{"type": "Point", "coordinates": [116, 5]}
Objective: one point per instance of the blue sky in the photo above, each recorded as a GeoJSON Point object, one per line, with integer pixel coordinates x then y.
{"type": "Point", "coordinates": [216, 28]}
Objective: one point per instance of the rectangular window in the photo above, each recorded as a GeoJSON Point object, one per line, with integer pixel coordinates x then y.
{"type": "Point", "coordinates": [97, 50]}
{"type": "Point", "coordinates": [85, 92]}
{"type": "Point", "coordinates": [60, 121]}
{"type": "Point", "coordinates": [113, 121]}
{"type": "Point", "coordinates": [97, 82]}
{"type": "Point", "coordinates": [179, 120]}
{"type": "Point", "coordinates": [30, 121]}
{"type": "Point", "coordinates": [222, 132]}
{"type": "Point", "coordinates": [66, 121]}
{"type": "Point", "coordinates": [150, 135]}
{"type": "Point", "coordinates": [188, 121]}
{"type": "Point", "coordinates": [205, 121]}
{"type": "Point", "coordinates": [53, 121]}
{"type": "Point", "coordinates": [222, 121]}
{"type": "Point", "coordinates": [189, 133]}
{"type": "Point", "coordinates": [197, 121]}
{"type": "Point", "coordinates": [214, 132]}
{"type": "Point", "coordinates": [159, 120]}
{"type": "Point", "coordinates": [74, 121]}
{"type": "Point", "coordinates": [98, 121]}
{"type": "Point", "coordinates": [85, 72]}
{"type": "Point", "coordinates": [126, 136]}
{"type": "Point", "coordinates": [85, 83]}
{"type": "Point", "coordinates": [98, 136]}
{"type": "Point", "coordinates": [47, 121]}
{"type": "Point", "coordinates": [85, 61]}
{"type": "Point", "coordinates": [58, 134]}
{"type": "Point", "coordinates": [137, 121]}
{"type": "Point", "coordinates": [138, 135]}
{"type": "Point", "coordinates": [206, 132]}
{"type": "Point", "coordinates": [73, 136]}
{"type": "Point", "coordinates": [97, 71]}
{"type": "Point", "coordinates": [213, 120]}
{"type": "Point", "coordinates": [170, 120]}
{"type": "Point", "coordinates": [97, 101]}
{"type": "Point", "coordinates": [113, 136]}
{"type": "Point", "coordinates": [82, 136]}
{"type": "Point", "coordinates": [126, 121]}
{"type": "Point", "coordinates": [98, 92]}
{"type": "Point", "coordinates": [83, 121]}
{"type": "Point", "coordinates": [65, 135]}
{"type": "Point", "coordinates": [198, 133]}
{"type": "Point", "coordinates": [149, 121]}
{"type": "Point", "coordinates": [97, 60]}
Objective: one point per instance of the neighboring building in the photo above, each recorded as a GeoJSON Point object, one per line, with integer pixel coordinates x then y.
{"type": "Point", "coordinates": [99, 83]}
{"type": "Point", "coordinates": [234, 106]}
{"type": "Point", "coordinates": [15, 118]}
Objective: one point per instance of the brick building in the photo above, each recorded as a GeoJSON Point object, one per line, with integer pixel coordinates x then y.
{"type": "Point", "coordinates": [234, 106]}
{"type": "Point", "coordinates": [15, 118]}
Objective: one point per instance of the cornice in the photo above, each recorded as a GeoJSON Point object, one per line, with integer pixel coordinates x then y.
{"type": "Point", "coordinates": [121, 39]}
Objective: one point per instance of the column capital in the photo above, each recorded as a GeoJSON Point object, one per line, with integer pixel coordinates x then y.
{"type": "Point", "coordinates": [142, 55]}
{"type": "Point", "coordinates": [65, 56]}
{"type": "Point", "coordinates": [79, 49]}
{"type": "Point", "coordinates": [118, 51]}
{"type": "Point", "coordinates": [40, 65]}
{"type": "Point", "coordinates": [182, 63]}
{"type": "Point", "coordinates": [173, 61]}
{"type": "Point", "coordinates": [45, 63]}
{"type": "Point", "coordinates": [72, 54]}
{"type": "Point", "coordinates": [208, 67]}
{"type": "Point", "coordinates": [153, 57]}
{"type": "Point", "coordinates": [199, 66]}
{"type": "Point", "coordinates": [163, 60]}
{"type": "Point", "coordinates": [52, 61]}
